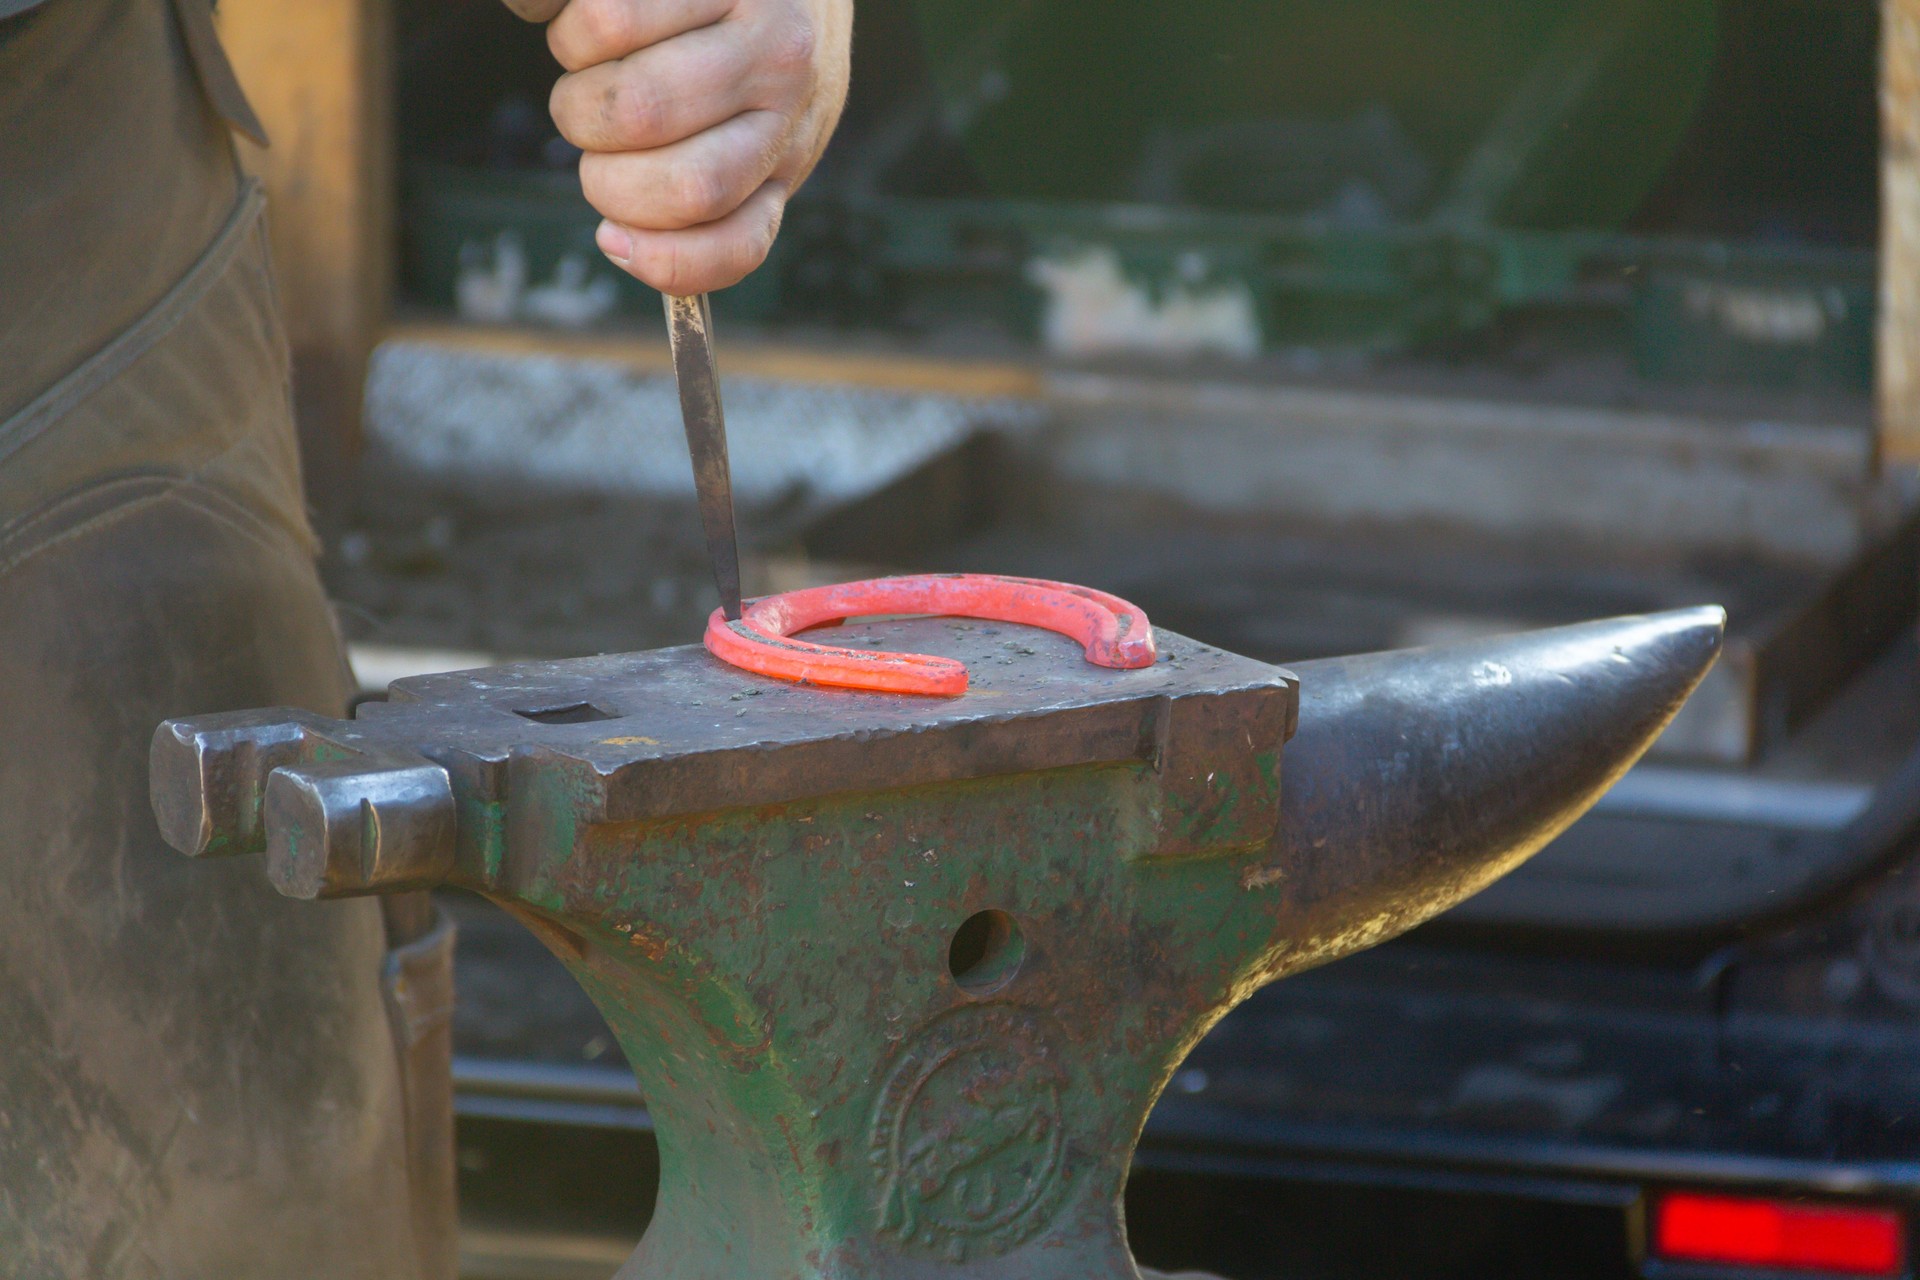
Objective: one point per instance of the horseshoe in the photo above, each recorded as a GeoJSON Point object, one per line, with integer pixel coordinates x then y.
{"type": "Point", "coordinates": [1113, 632]}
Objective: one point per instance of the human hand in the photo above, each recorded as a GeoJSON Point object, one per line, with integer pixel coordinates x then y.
{"type": "Point", "coordinates": [698, 119]}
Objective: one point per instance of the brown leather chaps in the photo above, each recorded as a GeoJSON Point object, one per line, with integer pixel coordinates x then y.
{"type": "Point", "coordinates": [199, 1079]}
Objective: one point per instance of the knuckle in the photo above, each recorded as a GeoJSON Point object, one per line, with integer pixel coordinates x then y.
{"type": "Point", "coordinates": [630, 113]}
{"type": "Point", "coordinates": [791, 47]}
{"type": "Point", "coordinates": [769, 225]}
{"type": "Point", "coordinates": [563, 104]}
{"type": "Point", "coordinates": [746, 252]}
{"type": "Point", "coordinates": [535, 10]}
{"type": "Point", "coordinates": [591, 184]}
{"type": "Point", "coordinates": [697, 193]}
{"type": "Point", "coordinates": [599, 184]}
{"type": "Point", "coordinates": [776, 152]}
{"type": "Point", "coordinates": [746, 256]}
{"type": "Point", "coordinates": [665, 265]}
{"type": "Point", "coordinates": [742, 250]}
{"type": "Point", "coordinates": [558, 47]}
{"type": "Point", "coordinates": [759, 242]}
{"type": "Point", "coordinates": [606, 28]}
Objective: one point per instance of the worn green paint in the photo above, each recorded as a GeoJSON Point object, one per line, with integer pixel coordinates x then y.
{"type": "Point", "coordinates": [775, 974]}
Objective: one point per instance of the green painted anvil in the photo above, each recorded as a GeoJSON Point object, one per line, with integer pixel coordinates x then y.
{"type": "Point", "coordinates": [900, 977]}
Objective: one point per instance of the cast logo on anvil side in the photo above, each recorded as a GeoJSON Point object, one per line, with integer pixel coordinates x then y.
{"type": "Point", "coordinates": [968, 1135]}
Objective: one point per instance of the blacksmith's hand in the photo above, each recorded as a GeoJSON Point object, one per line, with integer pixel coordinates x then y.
{"type": "Point", "coordinates": [699, 118]}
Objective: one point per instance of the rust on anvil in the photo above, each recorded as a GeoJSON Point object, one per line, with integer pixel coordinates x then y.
{"type": "Point", "coordinates": [901, 978]}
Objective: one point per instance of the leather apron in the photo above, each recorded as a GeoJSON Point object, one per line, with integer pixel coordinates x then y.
{"type": "Point", "coordinates": [198, 1078]}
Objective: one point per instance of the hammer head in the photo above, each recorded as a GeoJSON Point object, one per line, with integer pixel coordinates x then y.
{"type": "Point", "coordinates": [901, 978]}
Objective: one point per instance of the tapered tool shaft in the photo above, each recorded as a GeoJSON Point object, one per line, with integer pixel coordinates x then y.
{"type": "Point", "coordinates": [690, 329]}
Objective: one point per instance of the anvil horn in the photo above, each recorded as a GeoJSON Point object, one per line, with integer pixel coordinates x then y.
{"type": "Point", "coordinates": [1419, 777]}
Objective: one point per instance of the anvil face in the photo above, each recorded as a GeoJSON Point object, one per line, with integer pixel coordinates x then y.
{"type": "Point", "coordinates": [675, 731]}
{"type": "Point", "coordinates": [901, 978]}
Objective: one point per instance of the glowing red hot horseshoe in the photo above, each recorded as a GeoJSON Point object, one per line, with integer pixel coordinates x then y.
{"type": "Point", "coordinates": [1113, 632]}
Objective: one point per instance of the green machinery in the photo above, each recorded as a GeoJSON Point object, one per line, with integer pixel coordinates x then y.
{"type": "Point", "coordinates": [1369, 177]}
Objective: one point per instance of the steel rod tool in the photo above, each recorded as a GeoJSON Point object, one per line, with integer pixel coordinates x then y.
{"type": "Point", "coordinates": [690, 330]}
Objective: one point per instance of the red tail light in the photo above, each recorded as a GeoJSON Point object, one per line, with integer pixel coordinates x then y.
{"type": "Point", "coordinates": [1779, 1234]}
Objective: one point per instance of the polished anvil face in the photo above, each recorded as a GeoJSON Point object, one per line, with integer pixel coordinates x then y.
{"type": "Point", "coordinates": [901, 977]}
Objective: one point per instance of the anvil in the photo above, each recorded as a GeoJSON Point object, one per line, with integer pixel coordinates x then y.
{"type": "Point", "coordinates": [901, 977]}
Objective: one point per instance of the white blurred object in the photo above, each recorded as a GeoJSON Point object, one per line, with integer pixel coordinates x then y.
{"type": "Point", "coordinates": [375, 666]}
{"type": "Point", "coordinates": [604, 427]}
{"type": "Point", "coordinates": [489, 287]}
{"type": "Point", "coordinates": [574, 299]}
{"type": "Point", "coordinates": [1093, 309]}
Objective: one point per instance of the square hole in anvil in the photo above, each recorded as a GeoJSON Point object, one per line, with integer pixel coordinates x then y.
{"type": "Point", "coordinates": [568, 713]}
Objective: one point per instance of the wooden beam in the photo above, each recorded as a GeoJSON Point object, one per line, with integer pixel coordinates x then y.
{"type": "Point", "coordinates": [837, 365]}
{"type": "Point", "coordinates": [319, 73]}
{"type": "Point", "coordinates": [1898, 366]}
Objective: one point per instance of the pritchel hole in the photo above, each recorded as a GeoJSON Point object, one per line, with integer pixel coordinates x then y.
{"type": "Point", "coordinates": [986, 952]}
{"type": "Point", "coordinates": [571, 713]}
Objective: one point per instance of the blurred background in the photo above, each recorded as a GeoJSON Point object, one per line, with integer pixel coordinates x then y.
{"type": "Point", "coordinates": [1313, 329]}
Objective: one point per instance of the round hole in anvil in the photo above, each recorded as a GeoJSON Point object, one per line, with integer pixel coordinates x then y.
{"type": "Point", "coordinates": [986, 952]}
